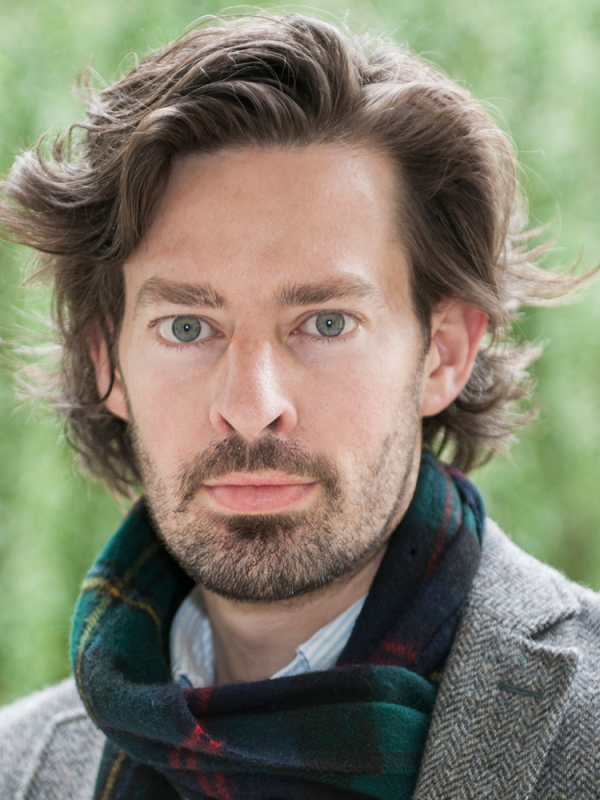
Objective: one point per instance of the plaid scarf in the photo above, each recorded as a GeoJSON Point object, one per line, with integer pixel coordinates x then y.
{"type": "Point", "coordinates": [356, 731]}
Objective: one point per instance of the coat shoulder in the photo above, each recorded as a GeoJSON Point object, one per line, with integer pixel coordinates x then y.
{"type": "Point", "coordinates": [562, 617]}
{"type": "Point", "coordinates": [49, 748]}
{"type": "Point", "coordinates": [521, 590]}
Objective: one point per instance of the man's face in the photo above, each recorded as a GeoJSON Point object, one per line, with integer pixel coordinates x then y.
{"type": "Point", "coordinates": [271, 367]}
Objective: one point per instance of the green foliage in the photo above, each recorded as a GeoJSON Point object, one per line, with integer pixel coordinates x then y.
{"type": "Point", "coordinates": [538, 63]}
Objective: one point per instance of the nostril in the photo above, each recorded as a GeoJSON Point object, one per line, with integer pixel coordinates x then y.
{"type": "Point", "coordinates": [273, 426]}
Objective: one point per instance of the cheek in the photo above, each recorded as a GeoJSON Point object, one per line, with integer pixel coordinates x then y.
{"type": "Point", "coordinates": [357, 408]}
{"type": "Point", "coordinates": [169, 410]}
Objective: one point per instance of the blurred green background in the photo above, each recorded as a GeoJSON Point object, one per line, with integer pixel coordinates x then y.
{"type": "Point", "coordinates": [537, 62]}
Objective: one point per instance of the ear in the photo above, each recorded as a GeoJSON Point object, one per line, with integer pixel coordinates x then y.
{"type": "Point", "coordinates": [115, 402]}
{"type": "Point", "coordinates": [456, 331]}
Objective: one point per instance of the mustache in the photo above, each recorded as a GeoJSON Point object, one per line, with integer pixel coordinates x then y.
{"type": "Point", "coordinates": [234, 454]}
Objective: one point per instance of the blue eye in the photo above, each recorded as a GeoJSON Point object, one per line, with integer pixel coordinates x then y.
{"type": "Point", "coordinates": [184, 329]}
{"type": "Point", "coordinates": [329, 324]}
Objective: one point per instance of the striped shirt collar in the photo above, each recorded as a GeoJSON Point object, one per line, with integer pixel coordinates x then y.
{"type": "Point", "coordinates": [192, 649]}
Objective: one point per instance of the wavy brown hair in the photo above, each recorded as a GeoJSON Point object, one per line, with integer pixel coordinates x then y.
{"type": "Point", "coordinates": [85, 203]}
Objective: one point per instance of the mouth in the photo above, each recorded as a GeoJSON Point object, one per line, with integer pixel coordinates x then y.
{"type": "Point", "coordinates": [258, 494]}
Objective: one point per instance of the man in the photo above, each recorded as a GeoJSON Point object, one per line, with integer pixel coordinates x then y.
{"type": "Point", "coordinates": [285, 266]}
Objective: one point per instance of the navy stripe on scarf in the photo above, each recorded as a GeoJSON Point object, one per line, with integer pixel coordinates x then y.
{"type": "Point", "coordinates": [357, 731]}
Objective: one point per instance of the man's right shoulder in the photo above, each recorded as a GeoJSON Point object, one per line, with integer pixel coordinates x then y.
{"type": "Point", "coordinates": [49, 748]}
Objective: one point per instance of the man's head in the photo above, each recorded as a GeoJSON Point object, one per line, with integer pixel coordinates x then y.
{"type": "Point", "coordinates": [272, 369]}
{"type": "Point", "coordinates": [275, 252]}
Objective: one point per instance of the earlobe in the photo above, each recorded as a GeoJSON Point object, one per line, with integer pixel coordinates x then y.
{"type": "Point", "coordinates": [108, 379]}
{"type": "Point", "coordinates": [457, 330]}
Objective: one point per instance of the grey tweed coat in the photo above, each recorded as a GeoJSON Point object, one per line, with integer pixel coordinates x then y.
{"type": "Point", "coordinates": [517, 714]}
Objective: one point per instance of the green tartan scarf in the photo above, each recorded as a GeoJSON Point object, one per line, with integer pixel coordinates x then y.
{"type": "Point", "coordinates": [356, 731]}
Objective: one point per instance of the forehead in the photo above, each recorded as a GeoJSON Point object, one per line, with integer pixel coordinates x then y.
{"type": "Point", "coordinates": [262, 218]}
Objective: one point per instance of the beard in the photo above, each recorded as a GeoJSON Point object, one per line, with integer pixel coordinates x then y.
{"type": "Point", "coordinates": [277, 556]}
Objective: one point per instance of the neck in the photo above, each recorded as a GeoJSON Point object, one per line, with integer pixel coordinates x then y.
{"type": "Point", "coordinates": [253, 641]}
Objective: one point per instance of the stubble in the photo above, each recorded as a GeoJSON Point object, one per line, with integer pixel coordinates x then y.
{"type": "Point", "coordinates": [277, 556]}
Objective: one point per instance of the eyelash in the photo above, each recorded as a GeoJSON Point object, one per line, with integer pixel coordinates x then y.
{"type": "Point", "coordinates": [322, 340]}
{"type": "Point", "coordinates": [331, 340]}
{"type": "Point", "coordinates": [156, 323]}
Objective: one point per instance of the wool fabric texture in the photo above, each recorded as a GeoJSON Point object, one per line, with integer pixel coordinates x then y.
{"type": "Point", "coordinates": [356, 731]}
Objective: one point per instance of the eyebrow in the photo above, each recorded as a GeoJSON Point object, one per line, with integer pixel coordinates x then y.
{"type": "Point", "coordinates": [158, 290]}
{"type": "Point", "coordinates": [308, 294]}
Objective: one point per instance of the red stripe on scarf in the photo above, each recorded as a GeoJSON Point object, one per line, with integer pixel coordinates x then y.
{"type": "Point", "coordinates": [392, 653]}
{"type": "Point", "coordinates": [441, 537]}
{"type": "Point", "coordinates": [198, 739]}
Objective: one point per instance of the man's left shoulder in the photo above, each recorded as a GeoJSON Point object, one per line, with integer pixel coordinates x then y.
{"type": "Point", "coordinates": [558, 622]}
{"type": "Point", "coordinates": [534, 599]}
{"type": "Point", "coordinates": [518, 711]}
{"type": "Point", "coordinates": [534, 607]}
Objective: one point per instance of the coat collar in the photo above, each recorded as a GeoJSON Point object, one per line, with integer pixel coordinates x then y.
{"type": "Point", "coordinates": [504, 692]}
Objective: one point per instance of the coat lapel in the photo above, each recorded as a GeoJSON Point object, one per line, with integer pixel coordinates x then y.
{"type": "Point", "coordinates": [504, 693]}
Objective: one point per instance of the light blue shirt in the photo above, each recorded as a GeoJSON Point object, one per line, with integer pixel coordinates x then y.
{"type": "Point", "coordinates": [193, 655]}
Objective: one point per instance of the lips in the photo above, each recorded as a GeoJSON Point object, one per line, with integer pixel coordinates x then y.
{"type": "Point", "coordinates": [259, 497]}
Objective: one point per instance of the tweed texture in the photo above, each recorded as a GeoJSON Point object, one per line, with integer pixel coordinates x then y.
{"type": "Point", "coordinates": [272, 738]}
{"type": "Point", "coordinates": [526, 629]}
{"type": "Point", "coordinates": [49, 750]}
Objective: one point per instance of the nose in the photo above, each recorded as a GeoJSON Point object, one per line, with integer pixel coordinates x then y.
{"type": "Point", "coordinates": [250, 398]}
